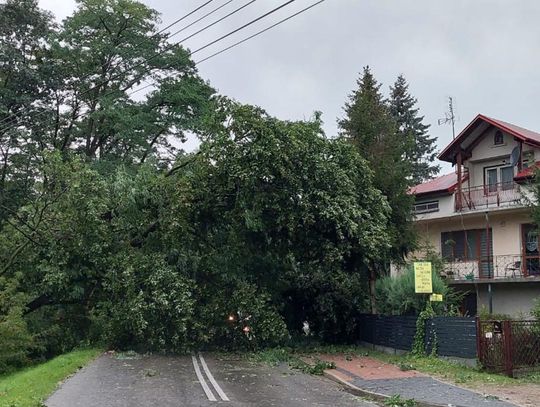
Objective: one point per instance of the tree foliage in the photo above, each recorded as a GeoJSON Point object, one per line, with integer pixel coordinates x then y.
{"type": "Point", "coordinates": [396, 295]}
{"type": "Point", "coordinates": [419, 146]}
{"type": "Point", "coordinates": [370, 127]}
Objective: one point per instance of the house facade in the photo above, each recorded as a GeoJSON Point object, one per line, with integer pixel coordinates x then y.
{"type": "Point", "coordinates": [478, 217]}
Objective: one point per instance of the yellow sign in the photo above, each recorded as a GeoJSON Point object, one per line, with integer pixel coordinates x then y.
{"type": "Point", "coordinates": [436, 297]}
{"type": "Point", "coordinates": [422, 277]}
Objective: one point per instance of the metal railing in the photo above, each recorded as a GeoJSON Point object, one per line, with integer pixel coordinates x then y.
{"type": "Point", "coordinates": [493, 267]}
{"type": "Point", "coordinates": [485, 196]}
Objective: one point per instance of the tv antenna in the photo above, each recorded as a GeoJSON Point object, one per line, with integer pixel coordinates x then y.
{"type": "Point", "coordinates": [449, 116]}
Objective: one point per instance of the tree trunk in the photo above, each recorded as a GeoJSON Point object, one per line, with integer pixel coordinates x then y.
{"type": "Point", "coordinates": [372, 280]}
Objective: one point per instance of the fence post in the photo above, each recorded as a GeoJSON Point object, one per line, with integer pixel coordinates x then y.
{"type": "Point", "coordinates": [507, 337]}
{"type": "Point", "coordinates": [479, 333]}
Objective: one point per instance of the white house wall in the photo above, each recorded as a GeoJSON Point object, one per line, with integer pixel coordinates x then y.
{"type": "Point", "coordinates": [505, 226]}
{"type": "Point", "coordinates": [487, 154]}
{"type": "Point", "coordinates": [514, 299]}
{"type": "Point", "coordinates": [446, 207]}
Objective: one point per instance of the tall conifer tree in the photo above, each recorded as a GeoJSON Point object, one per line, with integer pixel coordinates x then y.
{"type": "Point", "coordinates": [420, 147]}
{"type": "Point", "coordinates": [369, 125]}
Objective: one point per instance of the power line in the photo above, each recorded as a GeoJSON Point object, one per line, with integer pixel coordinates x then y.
{"type": "Point", "coordinates": [240, 42]}
{"type": "Point", "coordinates": [244, 26]}
{"type": "Point", "coordinates": [211, 24]}
{"type": "Point", "coordinates": [15, 115]}
{"type": "Point", "coordinates": [235, 31]}
{"type": "Point", "coordinates": [259, 32]}
{"type": "Point", "coordinates": [199, 19]}
{"type": "Point", "coordinates": [184, 17]}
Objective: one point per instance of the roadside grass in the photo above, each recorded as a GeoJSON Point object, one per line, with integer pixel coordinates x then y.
{"type": "Point", "coordinates": [453, 371]}
{"type": "Point", "coordinates": [30, 387]}
{"type": "Point", "coordinates": [444, 369]}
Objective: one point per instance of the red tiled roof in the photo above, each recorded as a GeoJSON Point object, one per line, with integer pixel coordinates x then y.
{"type": "Point", "coordinates": [520, 133]}
{"type": "Point", "coordinates": [527, 172]}
{"type": "Point", "coordinates": [445, 183]}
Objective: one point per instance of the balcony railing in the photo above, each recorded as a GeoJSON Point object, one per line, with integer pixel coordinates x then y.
{"type": "Point", "coordinates": [486, 196]}
{"type": "Point", "coordinates": [493, 267]}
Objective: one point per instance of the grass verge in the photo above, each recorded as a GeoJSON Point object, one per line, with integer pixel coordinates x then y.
{"type": "Point", "coordinates": [30, 387]}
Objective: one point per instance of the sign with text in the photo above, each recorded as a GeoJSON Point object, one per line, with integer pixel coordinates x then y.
{"type": "Point", "coordinates": [436, 297]}
{"type": "Point", "coordinates": [422, 277]}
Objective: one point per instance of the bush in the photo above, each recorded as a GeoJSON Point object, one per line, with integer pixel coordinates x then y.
{"type": "Point", "coordinates": [15, 340]}
{"type": "Point", "coordinates": [396, 296]}
{"type": "Point", "coordinates": [535, 311]}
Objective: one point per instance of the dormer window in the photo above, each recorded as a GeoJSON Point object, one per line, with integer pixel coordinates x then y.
{"type": "Point", "coordinates": [498, 138]}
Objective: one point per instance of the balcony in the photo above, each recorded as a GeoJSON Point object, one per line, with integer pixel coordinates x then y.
{"type": "Point", "coordinates": [508, 266]}
{"type": "Point", "coordinates": [488, 196]}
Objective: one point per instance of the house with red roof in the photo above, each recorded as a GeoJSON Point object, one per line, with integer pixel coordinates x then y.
{"type": "Point", "coordinates": [478, 217]}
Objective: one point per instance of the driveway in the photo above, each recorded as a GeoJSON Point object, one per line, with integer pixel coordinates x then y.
{"type": "Point", "coordinates": [200, 380]}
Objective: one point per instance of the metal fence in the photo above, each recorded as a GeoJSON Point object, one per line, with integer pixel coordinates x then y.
{"type": "Point", "coordinates": [508, 346]}
{"type": "Point", "coordinates": [454, 336]}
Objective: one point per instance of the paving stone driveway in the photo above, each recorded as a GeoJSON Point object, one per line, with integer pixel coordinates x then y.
{"type": "Point", "coordinates": [373, 375]}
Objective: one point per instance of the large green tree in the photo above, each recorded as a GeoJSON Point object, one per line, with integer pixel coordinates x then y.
{"type": "Point", "coordinates": [25, 32]}
{"type": "Point", "coordinates": [370, 127]}
{"type": "Point", "coordinates": [420, 147]}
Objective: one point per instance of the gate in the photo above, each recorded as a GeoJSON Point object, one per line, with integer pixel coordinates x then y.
{"type": "Point", "coordinates": [508, 346]}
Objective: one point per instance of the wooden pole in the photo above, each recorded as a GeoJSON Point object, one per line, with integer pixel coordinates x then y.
{"type": "Point", "coordinates": [520, 162]}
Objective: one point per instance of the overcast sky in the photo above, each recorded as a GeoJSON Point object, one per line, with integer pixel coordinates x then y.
{"type": "Point", "coordinates": [483, 53]}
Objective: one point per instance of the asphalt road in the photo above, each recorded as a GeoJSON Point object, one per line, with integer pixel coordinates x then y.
{"type": "Point", "coordinates": [166, 381]}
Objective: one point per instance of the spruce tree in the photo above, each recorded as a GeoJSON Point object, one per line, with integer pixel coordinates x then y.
{"type": "Point", "coordinates": [420, 147]}
{"type": "Point", "coordinates": [369, 125]}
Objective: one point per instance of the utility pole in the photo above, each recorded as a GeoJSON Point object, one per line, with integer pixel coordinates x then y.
{"type": "Point", "coordinates": [449, 116]}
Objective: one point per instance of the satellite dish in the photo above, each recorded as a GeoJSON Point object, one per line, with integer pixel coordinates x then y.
{"type": "Point", "coordinates": [514, 156]}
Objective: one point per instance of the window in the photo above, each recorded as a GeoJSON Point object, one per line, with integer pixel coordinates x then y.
{"type": "Point", "coordinates": [507, 178]}
{"type": "Point", "coordinates": [498, 178]}
{"type": "Point", "coordinates": [425, 207]}
{"type": "Point", "coordinates": [469, 245]}
{"type": "Point", "coordinates": [498, 138]}
{"type": "Point", "coordinates": [492, 179]}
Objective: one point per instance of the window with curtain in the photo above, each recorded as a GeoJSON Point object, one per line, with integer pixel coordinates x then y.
{"type": "Point", "coordinates": [465, 245]}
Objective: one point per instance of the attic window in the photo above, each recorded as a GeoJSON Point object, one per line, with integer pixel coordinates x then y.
{"type": "Point", "coordinates": [498, 139]}
{"type": "Point", "coordinates": [425, 207]}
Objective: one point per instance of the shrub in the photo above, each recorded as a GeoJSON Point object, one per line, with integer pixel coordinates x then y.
{"type": "Point", "coordinates": [15, 340]}
{"type": "Point", "coordinates": [396, 296]}
{"type": "Point", "coordinates": [535, 311]}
